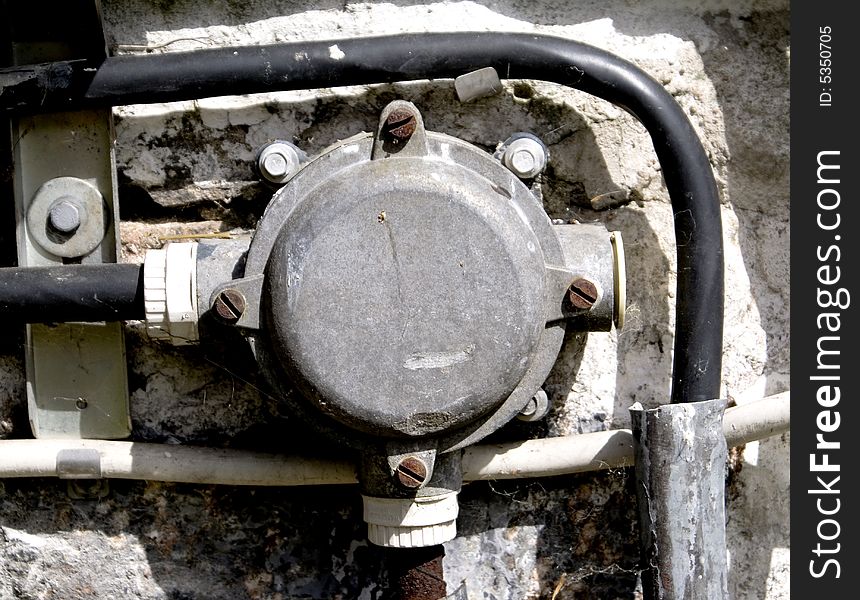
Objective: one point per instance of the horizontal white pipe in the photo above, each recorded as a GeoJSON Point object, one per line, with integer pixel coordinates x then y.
{"type": "Point", "coordinates": [168, 462]}
{"type": "Point", "coordinates": [550, 456]}
{"type": "Point", "coordinates": [532, 458]}
{"type": "Point", "coordinates": [610, 449]}
{"type": "Point", "coordinates": [757, 420]}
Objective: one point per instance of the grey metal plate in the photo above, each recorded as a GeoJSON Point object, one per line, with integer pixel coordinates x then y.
{"type": "Point", "coordinates": [76, 375]}
{"type": "Point", "coordinates": [77, 361]}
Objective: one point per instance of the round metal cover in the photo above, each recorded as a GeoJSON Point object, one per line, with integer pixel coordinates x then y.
{"type": "Point", "coordinates": [404, 296]}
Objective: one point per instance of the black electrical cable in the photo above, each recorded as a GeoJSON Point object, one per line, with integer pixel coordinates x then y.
{"type": "Point", "coordinates": [106, 292]}
{"type": "Point", "coordinates": [303, 65]}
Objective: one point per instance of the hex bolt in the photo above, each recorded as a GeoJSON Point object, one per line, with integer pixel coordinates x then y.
{"type": "Point", "coordinates": [411, 472]}
{"type": "Point", "coordinates": [229, 305]}
{"type": "Point", "coordinates": [277, 161]}
{"type": "Point", "coordinates": [275, 165]}
{"type": "Point", "coordinates": [64, 215]}
{"type": "Point", "coordinates": [582, 293]}
{"type": "Point", "coordinates": [522, 161]}
{"type": "Point", "coordinates": [525, 157]}
{"type": "Point", "coordinates": [399, 125]}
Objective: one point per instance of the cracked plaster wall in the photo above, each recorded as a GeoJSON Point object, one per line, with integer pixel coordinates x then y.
{"type": "Point", "coordinates": [185, 169]}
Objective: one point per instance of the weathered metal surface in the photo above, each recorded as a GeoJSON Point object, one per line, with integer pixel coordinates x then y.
{"type": "Point", "coordinates": [430, 262]}
{"type": "Point", "coordinates": [589, 304]}
{"type": "Point", "coordinates": [681, 458]}
{"type": "Point", "coordinates": [438, 304]}
{"type": "Point", "coordinates": [416, 573]}
{"type": "Point", "coordinates": [477, 84]}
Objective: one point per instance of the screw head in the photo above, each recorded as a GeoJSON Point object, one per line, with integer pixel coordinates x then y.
{"type": "Point", "coordinates": [229, 305]}
{"type": "Point", "coordinates": [411, 472]}
{"type": "Point", "coordinates": [400, 125]}
{"type": "Point", "coordinates": [64, 215]}
{"type": "Point", "coordinates": [582, 293]}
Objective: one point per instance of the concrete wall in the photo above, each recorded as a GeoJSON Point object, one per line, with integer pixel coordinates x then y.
{"type": "Point", "coordinates": [185, 168]}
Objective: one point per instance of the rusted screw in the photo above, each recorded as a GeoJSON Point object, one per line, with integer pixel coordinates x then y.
{"type": "Point", "coordinates": [400, 125]}
{"type": "Point", "coordinates": [582, 294]}
{"type": "Point", "coordinates": [229, 305]}
{"type": "Point", "coordinates": [411, 472]}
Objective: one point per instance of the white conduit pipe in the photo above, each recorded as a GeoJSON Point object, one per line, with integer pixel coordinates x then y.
{"type": "Point", "coordinates": [190, 464]}
{"type": "Point", "coordinates": [610, 449]}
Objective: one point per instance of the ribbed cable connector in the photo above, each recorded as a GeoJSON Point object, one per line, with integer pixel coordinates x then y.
{"type": "Point", "coordinates": [411, 522]}
{"type": "Point", "coordinates": [170, 293]}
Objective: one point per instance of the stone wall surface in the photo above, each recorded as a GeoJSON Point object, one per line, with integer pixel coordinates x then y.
{"type": "Point", "coordinates": [185, 169]}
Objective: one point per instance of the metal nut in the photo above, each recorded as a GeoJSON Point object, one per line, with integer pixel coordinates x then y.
{"type": "Point", "coordinates": [229, 305]}
{"type": "Point", "coordinates": [411, 472]}
{"type": "Point", "coordinates": [582, 293]}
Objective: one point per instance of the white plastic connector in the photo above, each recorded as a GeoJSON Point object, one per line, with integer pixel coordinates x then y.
{"type": "Point", "coordinates": [170, 293]}
{"type": "Point", "coordinates": [411, 522]}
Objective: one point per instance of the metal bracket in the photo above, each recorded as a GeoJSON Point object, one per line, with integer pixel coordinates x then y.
{"type": "Point", "coordinates": [77, 386]}
{"type": "Point", "coordinates": [79, 463]}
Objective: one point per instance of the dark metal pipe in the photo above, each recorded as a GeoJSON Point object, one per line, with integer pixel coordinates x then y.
{"type": "Point", "coordinates": [107, 292]}
{"type": "Point", "coordinates": [680, 452]}
{"type": "Point", "coordinates": [415, 573]}
{"type": "Point", "coordinates": [303, 65]}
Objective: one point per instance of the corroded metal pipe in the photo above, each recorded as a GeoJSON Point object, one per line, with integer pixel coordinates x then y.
{"type": "Point", "coordinates": [416, 573]}
{"type": "Point", "coordinates": [680, 456]}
